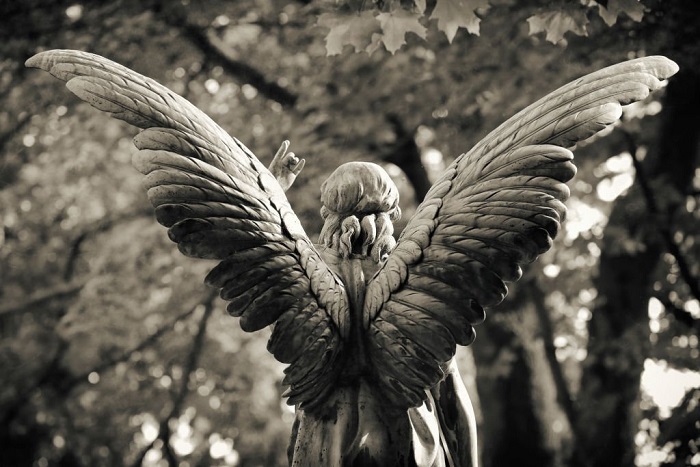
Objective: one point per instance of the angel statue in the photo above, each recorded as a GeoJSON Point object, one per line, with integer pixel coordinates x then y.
{"type": "Point", "coordinates": [368, 325]}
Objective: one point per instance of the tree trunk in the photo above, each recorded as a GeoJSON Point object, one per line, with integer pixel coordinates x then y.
{"type": "Point", "coordinates": [527, 425]}
{"type": "Point", "coordinates": [619, 332]}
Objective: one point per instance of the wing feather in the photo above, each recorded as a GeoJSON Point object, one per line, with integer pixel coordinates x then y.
{"type": "Point", "coordinates": [495, 208]}
{"type": "Point", "coordinates": [413, 324]}
{"type": "Point", "coordinates": [219, 202]}
{"type": "Point", "coordinates": [291, 330]}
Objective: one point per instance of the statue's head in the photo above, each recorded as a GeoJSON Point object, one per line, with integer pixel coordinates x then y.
{"type": "Point", "coordinates": [360, 201]}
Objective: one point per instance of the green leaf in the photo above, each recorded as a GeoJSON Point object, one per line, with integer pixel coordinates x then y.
{"type": "Point", "coordinates": [396, 24]}
{"type": "Point", "coordinates": [557, 23]}
{"type": "Point", "coordinates": [454, 14]}
{"type": "Point", "coordinates": [632, 8]}
{"type": "Point", "coordinates": [348, 29]}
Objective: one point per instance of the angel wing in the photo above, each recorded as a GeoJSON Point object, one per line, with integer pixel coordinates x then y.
{"type": "Point", "coordinates": [496, 207]}
{"type": "Point", "coordinates": [220, 202]}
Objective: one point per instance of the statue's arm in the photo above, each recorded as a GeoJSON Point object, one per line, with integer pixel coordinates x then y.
{"type": "Point", "coordinates": [285, 166]}
{"type": "Point", "coordinates": [457, 419]}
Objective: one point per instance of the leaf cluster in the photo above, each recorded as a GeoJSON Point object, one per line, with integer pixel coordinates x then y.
{"type": "Point", "coordinates": [368, 25]}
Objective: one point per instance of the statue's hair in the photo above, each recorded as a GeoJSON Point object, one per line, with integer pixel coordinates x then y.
{"type": "Point", "coordinates": [360, 201]}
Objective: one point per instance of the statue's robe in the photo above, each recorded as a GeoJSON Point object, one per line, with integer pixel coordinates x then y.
{"type": "Point", "coordinates": [356, 426]}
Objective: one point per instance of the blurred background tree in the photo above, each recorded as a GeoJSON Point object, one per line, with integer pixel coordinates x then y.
{"type": "Point", "coordinates": [114, 353]}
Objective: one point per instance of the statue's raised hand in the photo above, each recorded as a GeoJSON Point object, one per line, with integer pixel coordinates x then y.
{"type": "Point", "coordinates": [285, 166]}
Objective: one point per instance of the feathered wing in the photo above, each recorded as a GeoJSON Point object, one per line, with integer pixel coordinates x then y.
{"type": "Point", "coordinates": [219, 202]}
{"type": "Point", "coordinates": [496, 207]}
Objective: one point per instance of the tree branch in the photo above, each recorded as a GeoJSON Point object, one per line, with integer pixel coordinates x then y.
{"type": "Point", "coordinates": [406, 154]}
{"type": "Point", "coordinates": [102, 225]}
{"type": "Point", "coordinates": [664, 227]}
{"type": "Point", "coordinates": [151, 339]}
{"type": "Point", "coordinates": [678, 313]}
{"type": "Point", "coordinates": [66, 385]}
{"type": "Point", "coordinates": [41, 297]}
{"type": "Point", "coordinates": [6, 136]}
{"type": "Point", "coordinates": [217, 52]}
{"type": "Point", "coordinates": [682, 424]}
{"type": "Point", "coordinates": [563, 394]}
{"type": "Point", "coordinates": [47, 374]}
{"type": "Point", "coordinates": [179, 399]}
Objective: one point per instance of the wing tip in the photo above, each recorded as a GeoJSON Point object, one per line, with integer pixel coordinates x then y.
{"type": "Point", "coordinates": [47, 60]}
{"type": "Point", "coordinates": [36, 61]}
{"type": "Point", "coordinates": [660, 66]}
{"type": "Point", "coordinates": [43, 60]}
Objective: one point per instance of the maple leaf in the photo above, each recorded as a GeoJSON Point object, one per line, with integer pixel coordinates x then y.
{"type": "Point", "coordinates": [396, 24]}
{"type": "Point", "coordinates": [632, 8]}
{"type": "Point", "coordinates": [348, 29]}
{"type": "Point", "coordinates": [454, 14]}
{"type": "Point", "coordinates": [557, 23]}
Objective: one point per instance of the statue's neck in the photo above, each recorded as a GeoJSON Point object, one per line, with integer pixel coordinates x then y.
{"type": "Point", "coordinates": [354, 271]}
{"type": "Point", "coordinates": [337, 263]}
